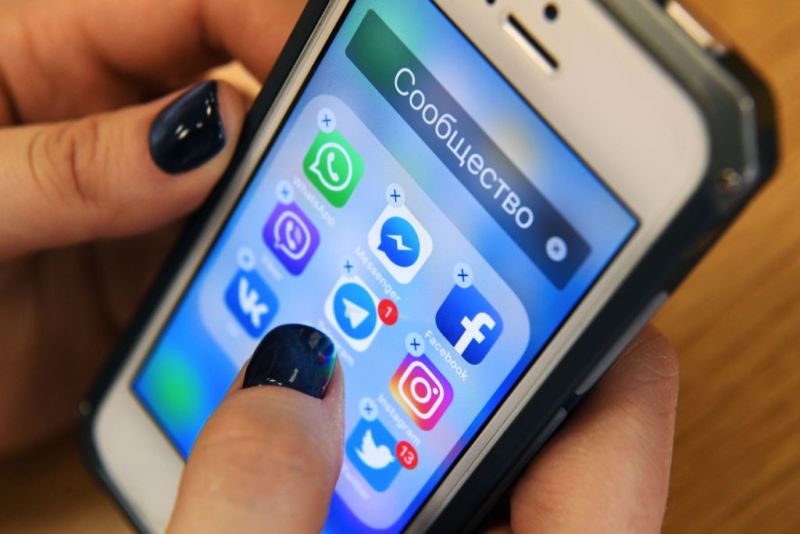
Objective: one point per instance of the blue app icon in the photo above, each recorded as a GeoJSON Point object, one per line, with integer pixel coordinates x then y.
{"type": "Point", "coordinates": [399, 241]}
{"type": "Point", "coordinates": [252, 302]}
{"type": "Point", "coordinates": [469, 323]}
{"type": "Point", "coordinates": [355, 311]}
{"type": "Point", "coordinates": [371, 450]}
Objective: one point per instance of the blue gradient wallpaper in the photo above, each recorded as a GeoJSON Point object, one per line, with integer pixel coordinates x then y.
{"type": "Point", "coordinates": [440, 265]}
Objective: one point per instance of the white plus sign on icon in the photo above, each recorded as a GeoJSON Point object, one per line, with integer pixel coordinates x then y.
{"type": "Point", "coordinates": [395, 195]}
{"type": "Point", "coordinates": [462, 275]}
{"type": "Point", "coordinates": [415, 345]}
{"type": "Point", "coordinates": [368, 409]}
{"type": "Point", "coordinates": [326, 120]}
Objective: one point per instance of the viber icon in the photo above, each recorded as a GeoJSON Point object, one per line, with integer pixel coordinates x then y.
{"type": "Point", "coordinates": [291, 236]}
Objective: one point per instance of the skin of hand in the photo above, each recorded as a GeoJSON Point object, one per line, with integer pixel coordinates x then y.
{"type": "Point", "coordinates": [269, 457]}
{"type": "Point", "coordinates": [80, 85]}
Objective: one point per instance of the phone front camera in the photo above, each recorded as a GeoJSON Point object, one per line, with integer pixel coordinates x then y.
{"type": "Point", "coordinates": [551, 12]}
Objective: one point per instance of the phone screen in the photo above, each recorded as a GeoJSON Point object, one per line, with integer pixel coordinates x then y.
{"type": "Point", "coordinates": [416, 209]}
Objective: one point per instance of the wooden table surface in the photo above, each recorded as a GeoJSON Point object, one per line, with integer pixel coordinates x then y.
{"type": "Point", "coordinates": [735, 322]}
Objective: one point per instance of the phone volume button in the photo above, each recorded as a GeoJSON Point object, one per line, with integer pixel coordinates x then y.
{"type": "Point", "coordinates": [621, 344]}
{"type": "Point", "coordinates": [548, 430]}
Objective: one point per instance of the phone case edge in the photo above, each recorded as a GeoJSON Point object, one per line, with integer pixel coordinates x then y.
{"type": "Point", "coordinates": [745, 146]}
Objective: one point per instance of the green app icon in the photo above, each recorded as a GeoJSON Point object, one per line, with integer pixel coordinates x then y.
{"type": "Point", "coordinates": [334, 167]}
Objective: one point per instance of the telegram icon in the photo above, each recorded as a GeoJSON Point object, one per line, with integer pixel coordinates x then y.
{"type": "Point", "coordinates": [353, 310]}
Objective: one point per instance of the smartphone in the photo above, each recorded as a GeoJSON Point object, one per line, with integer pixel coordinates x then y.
{"type": "Point", "coordinates": [481, 203]}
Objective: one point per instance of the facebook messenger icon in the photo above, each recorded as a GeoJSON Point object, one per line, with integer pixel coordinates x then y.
{"type": "Point", "coordinates": [400, 243]}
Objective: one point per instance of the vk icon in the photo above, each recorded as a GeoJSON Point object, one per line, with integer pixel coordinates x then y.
{"type": "Point", "coordinates": [291, 236]}
{"type": "Point", "coordinates": [370, 448]}
{"type": "Point", "coordinates": [252, 303]}
{"type": "Point", "coordinates": [353, 310]}
{"type": "Point", "coordinates": [469, 323]}
{"type": "Point", "coordinates": [400, 242]}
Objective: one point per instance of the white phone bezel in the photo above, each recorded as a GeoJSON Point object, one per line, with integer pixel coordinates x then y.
{"type": "Point", "coordinates": [653, 157]}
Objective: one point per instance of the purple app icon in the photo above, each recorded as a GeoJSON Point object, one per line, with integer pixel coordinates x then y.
{"type": "Point", "coordinates": [291, 236]}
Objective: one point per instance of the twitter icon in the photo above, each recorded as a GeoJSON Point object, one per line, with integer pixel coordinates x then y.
{"type": "Point", "coordinates": [370, 448]}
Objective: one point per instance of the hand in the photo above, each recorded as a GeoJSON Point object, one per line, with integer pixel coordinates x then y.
{"type": "Point", "coordinates": [81, 83]}
{"type": "Point", "coordinates": [607, 469]}
{"type": "Point", "coordinates": [268, 459]}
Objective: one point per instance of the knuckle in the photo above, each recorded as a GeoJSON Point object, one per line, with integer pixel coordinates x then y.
{"type": "Point", "coordinates": [66, 167]}
{"type": "Point", "coordinates": [76, 148]}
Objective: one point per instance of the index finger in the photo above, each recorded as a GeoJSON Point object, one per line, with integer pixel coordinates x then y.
{"type": "Point", "coordinates": [84, 56]}
{"type": "Point", "coordinates": [152, 38]}
{"type": "Point", "coordinates": [266, 461]}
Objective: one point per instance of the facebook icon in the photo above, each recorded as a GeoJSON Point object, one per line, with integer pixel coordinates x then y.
{"type": "Point", "coordinates": [469, 323]}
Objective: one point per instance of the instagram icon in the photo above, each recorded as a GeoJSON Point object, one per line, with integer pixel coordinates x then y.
{"type": "Point", "coordinates": [422, 390]}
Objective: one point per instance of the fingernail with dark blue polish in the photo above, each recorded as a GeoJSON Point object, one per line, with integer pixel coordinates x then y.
{"type": "Point", "coordinates": [294, 356]}
{"type": "Point", "coordinates": [189, 132]}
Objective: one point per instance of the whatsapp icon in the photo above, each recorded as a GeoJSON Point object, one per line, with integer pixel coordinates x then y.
{"type": "Point", "coordinates": [334, 167]}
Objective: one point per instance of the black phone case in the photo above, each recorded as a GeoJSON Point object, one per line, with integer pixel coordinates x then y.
{"type": "Point", "coordinates": [738, 112]}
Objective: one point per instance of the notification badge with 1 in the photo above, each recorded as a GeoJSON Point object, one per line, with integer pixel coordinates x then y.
{"type": "Point", "coordinates": [387, 312]}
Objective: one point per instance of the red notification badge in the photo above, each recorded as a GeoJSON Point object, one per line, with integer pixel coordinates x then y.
{"type": "Point", "coordinates": [387, 311]}
{"type": "Point", "coordinates": [406, 454]}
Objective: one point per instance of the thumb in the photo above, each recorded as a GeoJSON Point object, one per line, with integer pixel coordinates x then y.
{"type": "Point", "coordinates": [608, 469]}
{"type": "Point", "coordinates": [116, 173]}
{"type": "Point", "coordinates": [269, 457]}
